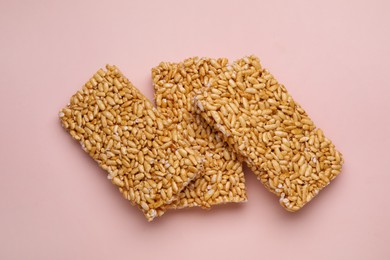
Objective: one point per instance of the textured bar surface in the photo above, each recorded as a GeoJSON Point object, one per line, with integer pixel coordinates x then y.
{"type": "Point", "coordinates": [222, 180]}
{"type": "Point", "coordinates": [143, 152]}
{"type": "Point", "coordinates": [261, 121]}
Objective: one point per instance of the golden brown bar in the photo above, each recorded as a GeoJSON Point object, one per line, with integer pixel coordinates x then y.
{"type": "Point", "coordinates": [222, 180]}
{"type": "Point", "coordinates": [144, 154]}
{"type": "Point", "coordinates": [258, 118]}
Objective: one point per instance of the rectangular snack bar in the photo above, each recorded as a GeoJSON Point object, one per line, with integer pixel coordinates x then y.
{"type": "Point", "coordinates": [222, 180]}
{"type": "Point", "coordinates": [261, 121]}
{"type": "Point", "coordinates": [144, 154]}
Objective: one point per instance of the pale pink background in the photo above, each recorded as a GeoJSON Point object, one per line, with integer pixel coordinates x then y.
{"type": "Point", "coordinates": [55, 202]}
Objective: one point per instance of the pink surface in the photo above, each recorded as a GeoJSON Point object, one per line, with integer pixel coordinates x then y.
{"type": "Point", "coordinates": [56, 203]}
